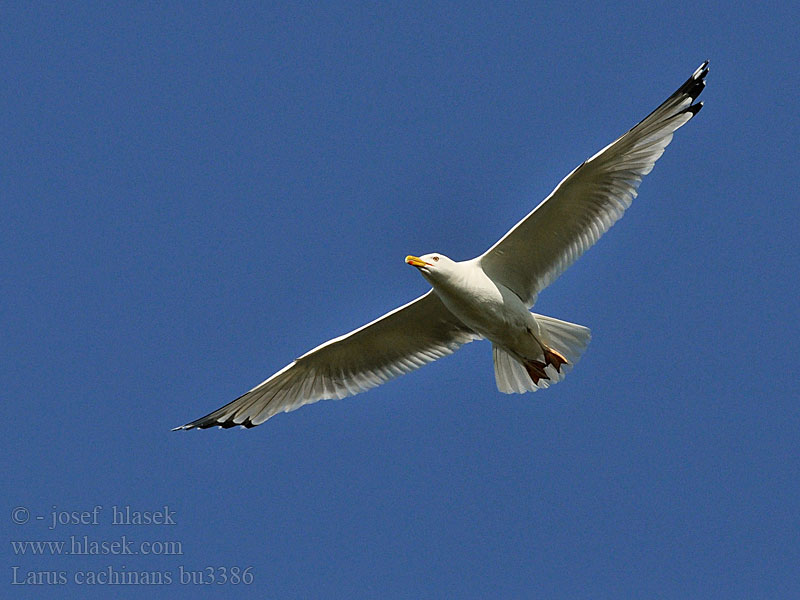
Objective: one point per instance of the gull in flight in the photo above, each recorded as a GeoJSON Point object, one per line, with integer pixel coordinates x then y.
{"type": "Point", "coordinates": [489, 296]}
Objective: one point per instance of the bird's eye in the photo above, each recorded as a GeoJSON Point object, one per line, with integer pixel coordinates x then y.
{"type": "Point", "coordinates": [435, 259]}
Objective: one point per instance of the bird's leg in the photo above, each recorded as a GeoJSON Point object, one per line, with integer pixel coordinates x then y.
{"type": "Point", "coordinates": [535, 369]}
{"type": "Point", "coordinates": [553, 357]}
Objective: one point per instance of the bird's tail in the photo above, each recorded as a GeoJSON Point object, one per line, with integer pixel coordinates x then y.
{"type": "Point", "coordinates": [567, 339]}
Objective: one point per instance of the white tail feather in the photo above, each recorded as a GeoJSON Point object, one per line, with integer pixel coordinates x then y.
{"type": "Point", "coordinates": [568, 338]}
{"type": "Point", "coordinates": [509, 374]}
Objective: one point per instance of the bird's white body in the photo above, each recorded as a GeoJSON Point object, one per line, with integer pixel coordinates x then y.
{"type": "Point", "coordinates": [485, 306]}
{"type": "Point", "coordinates": [487, 297]}
{"type": "Point", "coordinates": [524, 357]}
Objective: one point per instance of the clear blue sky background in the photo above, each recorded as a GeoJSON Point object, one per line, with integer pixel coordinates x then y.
{"type": "Point", "coordinates": [194, 195]}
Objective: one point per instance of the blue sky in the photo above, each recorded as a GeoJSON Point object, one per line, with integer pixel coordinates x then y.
{"type": "Point", "coordinates": [194, 195]}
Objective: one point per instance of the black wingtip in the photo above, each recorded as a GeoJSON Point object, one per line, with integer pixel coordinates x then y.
{"type": "Point", "coordinates": [247, 424]}
{"type": "Point", "coordinates": [696, 83]}
{"type": "Point", "coordinates": [695, 108]}
{"type": "Point", "coordinates": [200, 424]}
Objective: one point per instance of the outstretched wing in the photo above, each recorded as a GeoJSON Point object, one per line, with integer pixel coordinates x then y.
{"type": "Point", "coordinates": [400, 341]}
{"type": "Point", "coordinates": [588, 201]}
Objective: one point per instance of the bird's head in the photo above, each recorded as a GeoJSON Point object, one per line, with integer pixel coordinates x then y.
{"type": "Point", "coordinates": [435, 266]}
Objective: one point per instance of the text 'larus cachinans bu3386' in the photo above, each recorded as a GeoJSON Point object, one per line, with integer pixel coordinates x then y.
{"type": "Point", "coordinates": [485, 297]}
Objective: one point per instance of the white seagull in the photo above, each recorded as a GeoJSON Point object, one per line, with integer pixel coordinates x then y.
{"type": "Point", "coordinates": [489, 296]}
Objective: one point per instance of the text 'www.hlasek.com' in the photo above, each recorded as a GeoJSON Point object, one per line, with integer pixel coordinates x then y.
{"type": "Point", "coordinates": [108, 545]}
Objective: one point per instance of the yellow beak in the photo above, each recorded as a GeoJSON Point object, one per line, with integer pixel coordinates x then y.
{"type": "Point", "coordinates": [415, 261]}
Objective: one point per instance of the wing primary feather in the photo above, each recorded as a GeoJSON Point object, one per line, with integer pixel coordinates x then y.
{"type": "Point", "coordinates": [400, 341]}
{"type": "Point", "coordinates": [589, 200]}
